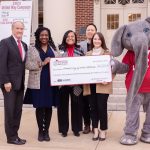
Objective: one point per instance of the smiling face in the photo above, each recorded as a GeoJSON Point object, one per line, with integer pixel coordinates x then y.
{"type": "Point", "coordinates": [90, 31]}
{"type": "Point", "coordinates": [97, 41]}
{"type": "Point", "coordinates": [17, 29]}
{"type": "Point", "coordinates": [70, 40]}
{"type": "Point", "coordinates": [44, 37]}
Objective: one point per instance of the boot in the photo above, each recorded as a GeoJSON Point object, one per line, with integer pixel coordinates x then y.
{"type": "Point", "coordinates": [46, 135]}
{"type": "Point", "coordinates": [41, 136]}
{"type": "Point", "coordinates": [48, 115]}
{"type": "Point", "coordinates": [40, 122]}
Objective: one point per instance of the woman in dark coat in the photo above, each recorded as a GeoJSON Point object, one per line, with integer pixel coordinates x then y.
{"type": "Point", "coordinates": [39, 92]}
{"type": "Point", "coordinates": [69, 48]}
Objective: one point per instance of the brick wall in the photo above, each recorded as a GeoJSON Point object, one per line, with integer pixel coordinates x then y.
{"type": "Point", "coordinates": [84, 10]}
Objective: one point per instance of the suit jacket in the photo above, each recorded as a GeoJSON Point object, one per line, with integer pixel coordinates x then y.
{"type": "Point", "coordinates": [12, 68]}
{"type": "Point", "coordinates": [83, 44]}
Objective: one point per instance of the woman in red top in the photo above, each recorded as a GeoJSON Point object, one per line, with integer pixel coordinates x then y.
{"type": "Point", "coordinates": [69, 48]}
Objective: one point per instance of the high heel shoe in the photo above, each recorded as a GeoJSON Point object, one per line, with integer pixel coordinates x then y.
{"type": "Point", "coordinates": [96, 135]}
{"type": "Point", "coordinates": [102, 136]}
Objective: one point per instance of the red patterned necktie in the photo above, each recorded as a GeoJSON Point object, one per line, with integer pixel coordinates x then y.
{"type": "Point", "coordinates": [20, 48]}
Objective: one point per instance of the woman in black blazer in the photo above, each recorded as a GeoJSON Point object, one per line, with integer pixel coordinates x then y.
{"type": "Point", "coordinates": [69, 48]}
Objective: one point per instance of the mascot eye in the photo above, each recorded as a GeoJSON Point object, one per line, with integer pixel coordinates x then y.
{"type": "Point", "coordinates": [129, 34]}
{"type": "Point", "coordinates": [146, 30]}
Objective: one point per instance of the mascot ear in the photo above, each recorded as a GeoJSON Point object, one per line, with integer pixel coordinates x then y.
{"type": "Point", "coordinates": [148, 19]}
{"type": "Point", "coordinates": [116, 44]}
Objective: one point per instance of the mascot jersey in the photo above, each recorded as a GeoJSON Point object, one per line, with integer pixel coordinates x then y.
{"type": "Point", "coordinates": [129, 59]}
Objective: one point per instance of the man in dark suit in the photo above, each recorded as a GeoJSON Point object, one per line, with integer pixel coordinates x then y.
{"type": "Point", "coordinates": [12, 75]}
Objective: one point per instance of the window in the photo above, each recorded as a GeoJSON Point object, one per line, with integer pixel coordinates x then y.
{"type": "Point", "coordinates": [112, 21]}
{"type": "Point", "coordinates": [134, 17]}
{"type": "Point", "coordinates": [40, 12]}
{"type": "Point", "coordinates": [123, 2]}
{"type": "Point", "coordinates": [110, 1]}
{"type": "Point", "coordinates": [138, 1]}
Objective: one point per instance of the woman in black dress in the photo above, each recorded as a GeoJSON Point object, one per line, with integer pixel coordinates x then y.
{"type": "Point", "coordinates": [39, 92]}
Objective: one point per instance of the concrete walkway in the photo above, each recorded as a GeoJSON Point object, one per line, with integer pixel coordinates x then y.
{"type": "Point", "coordinates": [28, 130]}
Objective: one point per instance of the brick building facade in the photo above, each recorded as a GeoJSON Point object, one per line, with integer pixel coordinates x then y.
{"type": "Point", "coordinates": [84, 11]}
{"type": "Point", "coordinates": [107, 15]}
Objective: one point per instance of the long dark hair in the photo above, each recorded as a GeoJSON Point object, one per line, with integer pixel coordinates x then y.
{"type": "Point", "coordinates": [63, 45]}
{"type": "Point", "coordinates": [101, 37]}
{"type": "Point", "coordinates": [37, 36]}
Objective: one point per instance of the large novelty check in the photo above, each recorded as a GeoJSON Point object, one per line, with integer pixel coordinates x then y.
{"type": "Point", "coordinates": [80, 70]}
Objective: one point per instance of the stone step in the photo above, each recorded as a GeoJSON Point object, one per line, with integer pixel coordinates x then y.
{"type": "Point", "coordinates": [112, 99]}
{"type": "Point", "coordinates": [119, 91]}
{"type": "Point", "coordinates": [115, 103]}
{"type": "Point", "coordinates": [112, 106]}
{"type": "Point", "coordinates": [118, 84]}
{"type": "Point", "coordinates": [117, 99]}
{"type": "Point", "coordinates": [117, 96]}
{"type": "Point", "coordinates": [119, 77]}
{"type": "Point", "coordinates": [116, 106]}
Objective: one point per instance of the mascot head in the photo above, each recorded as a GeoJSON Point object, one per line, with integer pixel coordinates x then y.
{"type": "Point", "coordinates": [135, 37]}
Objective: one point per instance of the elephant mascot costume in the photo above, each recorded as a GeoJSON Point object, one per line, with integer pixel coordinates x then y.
{"type": "Point", "coordinates": [135, 37]}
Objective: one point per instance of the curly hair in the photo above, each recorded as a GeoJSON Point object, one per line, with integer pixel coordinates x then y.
{"type": "Point", "coordinates": [37, 36]}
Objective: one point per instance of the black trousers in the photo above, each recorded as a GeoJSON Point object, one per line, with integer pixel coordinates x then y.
{"type": "Point", "coordinates": [98, 110]}
{"type": "Point", "coordinates": [63, 111]}
{"type": "Point", "coordinates": [43, 117]}
{"type": "Point", "coordinates": [13, 102]}
{"type": "Point", "coordinates": [86, 111]}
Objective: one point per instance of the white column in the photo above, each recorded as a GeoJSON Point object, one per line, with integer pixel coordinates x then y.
{"type": "Point", "coordinates": [59, 16]}
{"type": "Point", "coordinates": [34, 19]}
{"type": "Point", "coordinates": [97, 15]}
{"type": "Point", "coordinates": [148, 15]}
